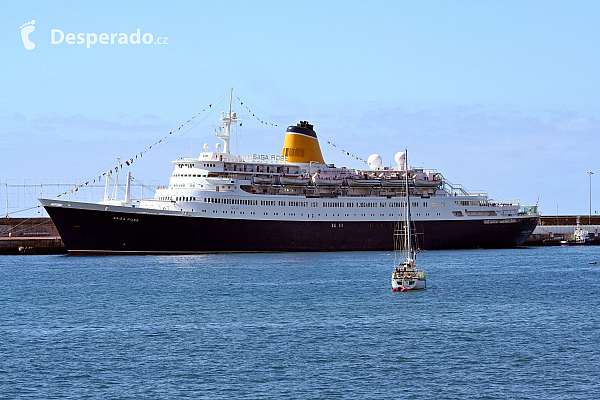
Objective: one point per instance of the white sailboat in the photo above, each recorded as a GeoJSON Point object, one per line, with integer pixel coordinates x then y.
{"type": "Point", "coordinates": [405, 276]}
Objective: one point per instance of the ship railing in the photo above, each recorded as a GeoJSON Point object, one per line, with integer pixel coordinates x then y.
{"type": "Point", "coordinates": [231, 158]}
{"type": "Point", "coordinates": [505, 203]}
{"type": "Point", "coordinates": [529, 210]}
{"type": "Point", "coordinates": [455, 189]}
{"type": "Point", "coordinates": [235, 176]}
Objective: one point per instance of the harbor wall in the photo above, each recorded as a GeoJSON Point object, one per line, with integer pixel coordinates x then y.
{"type": "Point", "coordinates": [29, 236]}
{"type": "Point", "coordinates": [554, 228]}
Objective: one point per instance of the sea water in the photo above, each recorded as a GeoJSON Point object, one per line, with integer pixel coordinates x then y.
{"type": "Point", "coordinates": [518, 323]}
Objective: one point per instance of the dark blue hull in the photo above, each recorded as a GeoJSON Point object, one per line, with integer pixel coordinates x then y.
{"type": "Point", "coordinates": [86, 231]}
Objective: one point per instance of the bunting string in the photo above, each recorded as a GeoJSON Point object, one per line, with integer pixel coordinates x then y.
{"type": "Point", "coordinates": [272, 124]}
{"type": "Point", "coordinates": [131, 159]}
{"type": "Point", "coordinates": [348, 153]}
{"type": "Point", "coordinates": [254, 115]}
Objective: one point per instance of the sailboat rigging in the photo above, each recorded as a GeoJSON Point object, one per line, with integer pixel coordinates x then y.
{"type": "Point", "coordinates": [405, 275]}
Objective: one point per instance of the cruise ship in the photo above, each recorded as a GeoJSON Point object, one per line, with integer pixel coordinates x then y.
{"type": "Point", "coordinates": [221, 202]}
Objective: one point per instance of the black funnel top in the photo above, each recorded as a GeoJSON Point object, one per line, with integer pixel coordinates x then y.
{"type": "Point", "coordinates": [304, 128]}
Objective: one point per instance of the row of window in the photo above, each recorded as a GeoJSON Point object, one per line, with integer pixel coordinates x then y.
{"type": "Point", "coordinates": [308, 215]}
{"type": "Point", "coordinates": [186, 165]}
{"type": "Point", "coordinates": [178, 198]}
{"type": "Point", "coordinates": [467, 203]}
{"type": "Point", "coordinates": [189, 175]}
{"type": "Point", "coordinates": [298, 203]}
{"type": "Point", "coordinates": [366, 204]}
{"type": "Point", "coordinates": [326, 204]}
{"type": "Point", "coordinates": [243, 202]}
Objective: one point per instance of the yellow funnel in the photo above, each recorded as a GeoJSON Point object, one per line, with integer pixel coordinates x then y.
{"type": "Point", "coordinates": [301, 144]}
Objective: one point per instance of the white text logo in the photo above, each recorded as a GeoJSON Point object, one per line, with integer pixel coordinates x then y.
{"type": "Point", "coordinates": [57, 36]}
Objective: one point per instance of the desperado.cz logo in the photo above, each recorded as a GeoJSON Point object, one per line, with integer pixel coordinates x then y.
{"type": "Point", "coordinates": [57, 36]}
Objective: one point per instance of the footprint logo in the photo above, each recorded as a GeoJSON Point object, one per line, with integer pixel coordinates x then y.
{"type": "Point", "coordinates": [26, 29]}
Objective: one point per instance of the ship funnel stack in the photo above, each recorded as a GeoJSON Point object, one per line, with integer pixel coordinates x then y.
{"type": "Point", "coordinates": [301, 144]}
{"type": "Point", "coordinates": [224, 132]}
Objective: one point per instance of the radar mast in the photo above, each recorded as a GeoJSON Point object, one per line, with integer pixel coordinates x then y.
{"type": "Point", "coordinates": [227, 119]}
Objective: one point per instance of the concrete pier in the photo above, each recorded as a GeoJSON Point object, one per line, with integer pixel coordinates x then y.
{"type": "Point", "coordinates": [552, 229]}
{"type": "Point", "coordinates": [29, 236]}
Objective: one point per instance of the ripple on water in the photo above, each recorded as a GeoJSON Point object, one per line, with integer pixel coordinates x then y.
{"type": "Point", "coordinates": [518, 323]}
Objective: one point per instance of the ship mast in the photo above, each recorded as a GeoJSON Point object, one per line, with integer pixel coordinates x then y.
{"type": "Point", "coordinates": [107, 188]}
{"type": "Point", "coordinates": [227, 119]}
{"type": "Point", "coordinates": [116, 187]}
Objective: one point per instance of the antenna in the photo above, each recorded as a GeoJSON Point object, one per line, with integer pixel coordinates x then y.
{"type": "Point", "coordinates": [6, 184]}
{"type": "Point", "coordinates": [227, 119]}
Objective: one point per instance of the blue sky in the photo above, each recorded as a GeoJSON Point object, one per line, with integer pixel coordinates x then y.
{"type": "Point", "coordinates": [497, 95]}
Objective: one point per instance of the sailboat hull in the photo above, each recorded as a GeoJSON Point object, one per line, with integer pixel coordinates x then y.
{"type": "Point", "coordinates": [408, 284]}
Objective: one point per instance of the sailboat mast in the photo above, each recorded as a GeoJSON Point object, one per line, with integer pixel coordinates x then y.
{"type": "Point", "coordinates": [6, 191]}
{"type": "Point", "coordinates": [408, 243]}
